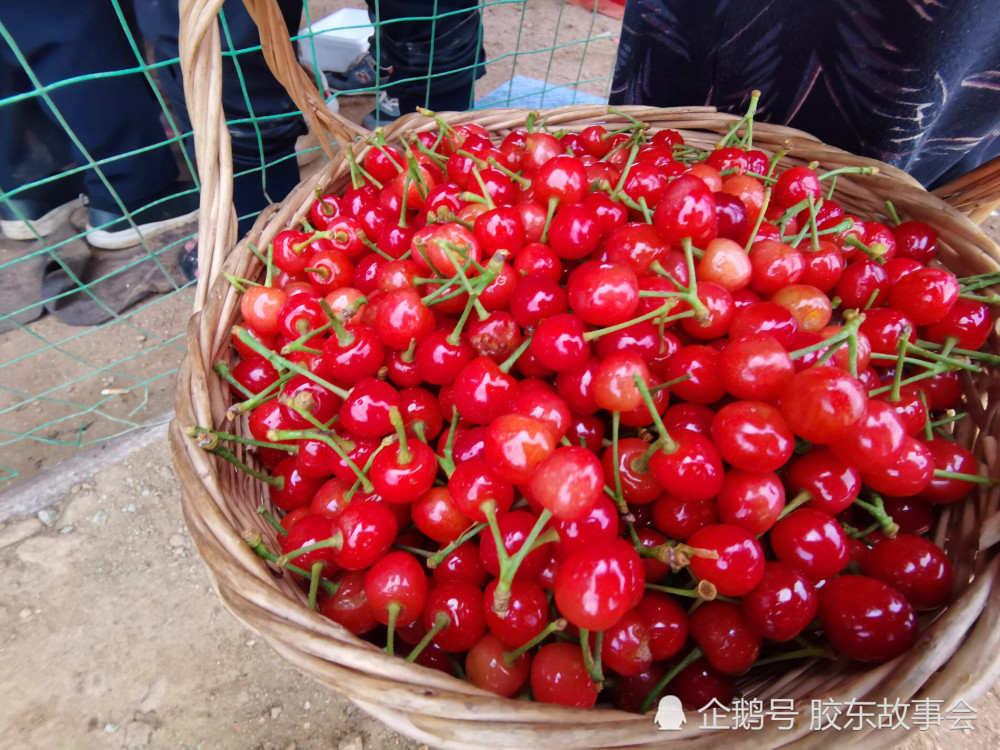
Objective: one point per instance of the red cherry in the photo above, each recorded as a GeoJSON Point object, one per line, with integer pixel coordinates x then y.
{"type": "Point", "coordinates": [725, 635]}
{"type": "Point", "coordinates": [823, 404]}
{"type": "Point", "coordinates": [915, 567]}
{"type": "Point", "coordinates": [866, 619]}
{"type": "Point", "coordinates": [782, 604]}
{"type": "Point", "coordinates": [739, 563]}
{"type": "Point", "coordinates": [593, 586]}
{"type": "Point", "coordinates": [812, 542]}
{"type": "Point", "coordinates": [559, 676]}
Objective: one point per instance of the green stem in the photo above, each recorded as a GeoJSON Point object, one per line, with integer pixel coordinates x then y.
{"type": "Point", "coordinates": [256, 543]}
{"type": "Point", "coordinates": [392, 610]}
{"type": "Point", "coordinates": [510, 657]}
{"type": "Point", "coordinates": [271, 520]}
{"type": "Point", "coordinates": [695, 654]}
{"type": "Point", "coordinates": [441, 555]}
{"type": "Point", "coordinates": [441, 621]}
{"type": "Point", "coordinates": [314, 577]}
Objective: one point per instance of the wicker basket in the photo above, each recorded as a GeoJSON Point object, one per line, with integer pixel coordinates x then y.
{"type": "Point", "coordinates": [957, 656]}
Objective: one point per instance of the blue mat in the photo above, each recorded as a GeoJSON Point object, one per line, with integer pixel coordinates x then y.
{"type": "Point", "coordinates": [530, 93]}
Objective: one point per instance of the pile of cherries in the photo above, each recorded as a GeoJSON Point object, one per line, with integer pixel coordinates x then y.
{"type": "Point", "coordinates": [600, 414]}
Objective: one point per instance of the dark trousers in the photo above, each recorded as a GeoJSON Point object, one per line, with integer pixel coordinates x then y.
{"type": "Point", "coordinates": [429, 60]}
{"type": "Point", "coordinates": [63, 39]}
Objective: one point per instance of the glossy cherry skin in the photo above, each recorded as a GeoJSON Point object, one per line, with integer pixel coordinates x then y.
{"type": "Point", "coordinates": [402, 478]}
{"type": "Point", "coordinates": [823, 404]}
{"type": "Point", "coordinates": [463, 564]}
{"type": "Point", "coordinates": [600, 524]}
{"type": "Point", "coordinates": [725, 635]}
{"type": "Point", "coordinates": [953, 457]}
{"type": "Point", "coordinates": [486, 668]}
{"type": "Point", "coordinates": [568, 482]}
{"type": "Point", "coordinates": [369, 529]}
{"type": "Point", "coordinates": [307, 531]}
{"type": "Point", "coordinates": [396, 578]}
{"type": "Point", "coordinates": [915, 240]}
{"type": "Point", "coordinates": [526, 614]}
{"type": "Point", "coordinates": [693, 469]}
{"type": "Point", "coordinates": [926, 296]}
{"type": "Point", "coordinates": [832, 484]}
{"type": "Point", "coordinates": [756, 368]}
{"type": "Point", "coordinates": [866, 619]}
{"type": "Point", "coordinates": [473, 483]}
{"type": "Point", "coordinates": [349, 605]}
{"type": "Point", "coordinates": [740, 562]}
{"type": "Point", "coordinates": [366, 411]}
{"type": "Point", "coordinates": [593, 586]}
{"type": "Point", "coordinates": [638, 484]}
{"type": "Point", "coordinates": [462, 602]}
{"type": "Point", "coordinates": [558, 343]}
{"type": "Point", "coordinates": [750, 499]}
{"type": "Point", "coordinates": [603, 294]}
{"type": "Point", "coordinates": [909, 475]}
{"type": "Point", "coordinates": [752, 435]}
{"type": "Point", "coordinates": [558, 676]}
{"type": "Point", "coordinates": [667, 622]}
{"type": "Point", "coordinates": [700, 364]}
{"type": "Point", "coordinates": [877, 440]}
{"type": "Point", "coordinates": [625, 646]}
{"type": "Point", "coordinates": [967, 321]}
{"type": "Point", "coordinates": [916, 567]}
{"type": "Point", "coordinates": [812, 542]}
{"type": "Point", "coordinates": [686, 209]}
{"type": "Point", "coordinates": [782, 604]}
{"type": "Point", "coordinates": [436, 516]}
{"type": "Point", "coordinates": [483, 390]}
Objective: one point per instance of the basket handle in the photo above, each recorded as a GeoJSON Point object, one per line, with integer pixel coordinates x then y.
{"type": "Point", "coordinates": [201, 63]}
{"type": "Point", "coordinates": [976, 193]}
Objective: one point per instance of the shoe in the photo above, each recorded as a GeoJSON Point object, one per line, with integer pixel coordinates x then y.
{"type": "Point", "coordinates": [359, 75]}
{"type": "Point", "coordinates": [388, 110]}
{"type": "Point", "coordinates": [41, 210]}
{"type": "Point", "coordinates": [171, 208]}
{"type": "Point", "coordinates": [187, 262]}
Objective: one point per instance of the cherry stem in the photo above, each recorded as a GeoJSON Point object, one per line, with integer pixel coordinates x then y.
{"type": "Point", "coordinates": [265, 395]}
{"type": "Point", "coordinates": [325, 438]}
{"type": "Point", "coordinates": [802, 653]}
{"type": "Point", "coordinates": [592, 659]}
{"type": "Point", "coordinates": [362, 480]}
{"type": "Point", "coordinates": [553, 202]}
{"type": "Point", "coordinates": [928, 431]}
{"type": "Point", "coordinates": [445, 461]}
{"type": "Point", "coordinates": [299, 345]}
{"type": "Point", "coordinates": [522, 181]}
{"type": "Point", "coordinates": [226, 374]}
{"type": "Point", "coordinates": [798, 501]}
{"type": "Point", "coordinates": [974, 478]}
{"type": "Point", "coordinates": [892, 213]}
{"type": "Point", "coordinates": [704, 590]}
{"type": "Point", "coordinates": [403, 456]}
{"type": "Point", "coordinates": [358, 173]}
{"type": "Point", "coordinates": [207, 439]}
{"type": "Point", "coordinates": [334, 542]}
{"type": "Point", "coordinates": [664, 308]}
{"type": "Point", "coordinates": [441, 621]}
{"type": "Point", "coordinates": [848, 170]}
{"type": "Point", "coordinates": [269, 264]}
{"type": "Point", "coordinates": [620, 503]}
{"type": "Point", "coordinates": [441, 555]}
{"type": "Point", "coordinates": [926, 347]}
{"type": "Point", "coordinates": [254, 540]}
{"type": "Point", "coordinates": [509, 564]}
{"type": "Point", "coordinates": [227, 455]}
{"type": "Point", "coordinates": [666, 442]}
{"type": "Point", "coordinates": [555, 626]}
{"type": "Point", "coordinates": [876, 251]}
{"type": "Point", "coordinates": [239, 284]}
{"type": "Point", "coordinates": [876, 509]}
{"type": "Point", "coordinates": [392, 609]}
{"type": "Point", "coordinates": [780, 154]}
{"type": "Point", "coordinates": [276, 359]}
{"type": "Point", "coordinates": [760, 219]}
{"type": "Point", "coordinates": [695, 654]}
{"type": "Point", "coordinates": [271, 520]}
{"type": "Point", "coordinates": [314, 578]}
{"type": "Point", "coordinates": [509, 362]}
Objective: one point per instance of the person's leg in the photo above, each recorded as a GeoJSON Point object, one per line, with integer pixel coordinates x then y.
{"type": "Point", "coordinates": [433, 57]}
{"type": "Point", "coordinates": [264, 122]}
{"type": "Point", "coordinates": [104, 117]}
{"type": "Point", "coordinates": [36, 197]}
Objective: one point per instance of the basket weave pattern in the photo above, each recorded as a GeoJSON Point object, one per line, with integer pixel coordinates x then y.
{"type": "Point", "coordinates": [957, 656]}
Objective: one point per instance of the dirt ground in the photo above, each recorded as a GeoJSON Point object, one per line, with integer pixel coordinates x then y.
{"type": "Point", "coordinates": [58, 372]}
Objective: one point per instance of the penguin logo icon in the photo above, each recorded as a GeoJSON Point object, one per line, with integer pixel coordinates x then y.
{"type": "Point", "coordinates": [670, 714]}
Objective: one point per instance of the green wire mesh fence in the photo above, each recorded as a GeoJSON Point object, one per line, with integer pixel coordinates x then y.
{"type": "Point", "coordinates": [90, 337]}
